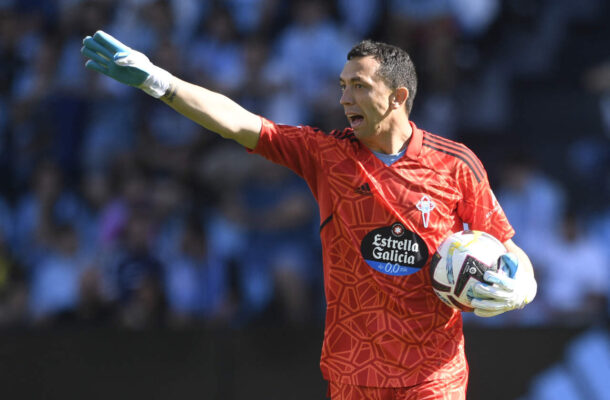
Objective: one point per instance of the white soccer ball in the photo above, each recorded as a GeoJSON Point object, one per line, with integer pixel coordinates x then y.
{"type": "Point", "coordinates": [459, 262]}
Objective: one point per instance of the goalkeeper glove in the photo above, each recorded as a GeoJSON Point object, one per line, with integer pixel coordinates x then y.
{"type": "Point", "coordinates": [507, 289]}
{"type": "Point", "coordinates": [111, 57]}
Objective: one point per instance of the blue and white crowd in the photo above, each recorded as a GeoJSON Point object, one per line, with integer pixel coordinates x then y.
{"type": "Point", "coordinates": [115, 210]}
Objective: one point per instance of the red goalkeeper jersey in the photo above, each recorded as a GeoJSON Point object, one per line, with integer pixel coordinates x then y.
{"type": "Point", "coordinates": [379, 227]}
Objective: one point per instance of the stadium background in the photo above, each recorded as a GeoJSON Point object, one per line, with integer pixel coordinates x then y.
{"type": "Point", "coordinates": [143, 258]}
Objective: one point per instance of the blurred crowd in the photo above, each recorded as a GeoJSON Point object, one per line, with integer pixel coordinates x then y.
{"type": "Point", "coordinates": [115, 210]}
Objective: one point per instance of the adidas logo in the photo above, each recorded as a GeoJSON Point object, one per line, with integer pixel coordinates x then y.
{"type": "Point", "coordinates": [364, 189]}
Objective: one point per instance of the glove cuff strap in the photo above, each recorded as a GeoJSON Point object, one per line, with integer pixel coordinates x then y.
{"type": "Point", "coordinates": [157, 82]}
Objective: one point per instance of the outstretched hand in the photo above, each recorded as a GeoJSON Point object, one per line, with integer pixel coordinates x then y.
{"type": "Point", "coordinates": [120, 62]}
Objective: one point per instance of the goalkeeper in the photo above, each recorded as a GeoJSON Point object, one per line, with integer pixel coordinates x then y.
{"type": "Point", "coordinates": [388, 194]}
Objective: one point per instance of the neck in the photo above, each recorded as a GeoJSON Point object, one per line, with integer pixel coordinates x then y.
{"type": "Point", "coordinates": [391, 140]}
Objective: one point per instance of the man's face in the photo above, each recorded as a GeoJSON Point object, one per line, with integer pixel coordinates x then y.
{"type": "Point", "coordinates": [366, 97]}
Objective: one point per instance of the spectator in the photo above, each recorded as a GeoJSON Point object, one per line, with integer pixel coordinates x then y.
{"type": "Point", "coordinates": [197, 281]}
{"type": "Point", "coordinates": [148, 21]}
{"type": "Point", "coordinates": [46, 204]}
{"type": "Point", "coordinates": [359, 17]}
{"type": "Point", "coordinates": [170, 205]}
{"type": "Point", "coordinates": [254, 16]}
{"type": "Point", "coordinates": [96, 193]}
{"type": "Point", "coordinates": [427, 30]}
{"type": "Point", "coordinates": [533, 202]}
{"type": "Point", "coordinates": [138, 274]}
{"type": "Point", "coordinates": [575, 276]}
{"type": "Point", "coordinates": [55, 279]}
{"type": "Point", "coordinates": [217, 56]}
{"type": "Point", "coordinates": [318, 42]}
{"type": "Point", "coordinates": [254, 90]}
{"type": "Point", "coordinates": [13, 285]}
{"type": "Point", "coordinates": [31, 133]}
{"type": "Point", "coordinates": [597, 80]}
{"type": "Point", "coordinates": [131, 194]}
{"type": "Point", "coordinates": [278, 211]}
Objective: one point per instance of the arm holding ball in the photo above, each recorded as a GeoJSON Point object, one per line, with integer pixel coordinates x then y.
{"type": "Point", "coordinates": [512, 287]}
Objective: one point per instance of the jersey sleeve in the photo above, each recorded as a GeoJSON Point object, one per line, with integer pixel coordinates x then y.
{"type": "Point", "coordinates": [479, 207]}
{"type": "Point", "coordinates": [295, 147]}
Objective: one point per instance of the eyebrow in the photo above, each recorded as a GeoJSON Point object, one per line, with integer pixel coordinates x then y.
{"type": "Point", "coordinates": [354, 79]}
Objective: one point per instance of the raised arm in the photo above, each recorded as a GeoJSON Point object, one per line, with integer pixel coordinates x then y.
{"type": "Point", "coordinates": [214, 111]}
{"type": "Point", "coordinates": [209, 109]}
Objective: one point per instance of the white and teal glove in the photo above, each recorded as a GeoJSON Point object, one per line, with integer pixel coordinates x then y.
{"type": "Point", "coordinates": [507, 289]}
{"type": "Point", "coordinates": [118, 61]}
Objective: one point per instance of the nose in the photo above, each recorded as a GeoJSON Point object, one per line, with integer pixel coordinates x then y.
{"type": "Point", "coordinates": [346, 97]}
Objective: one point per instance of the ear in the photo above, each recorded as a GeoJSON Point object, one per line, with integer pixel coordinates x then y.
{"type": "Point", "coordinates": [399, 98]}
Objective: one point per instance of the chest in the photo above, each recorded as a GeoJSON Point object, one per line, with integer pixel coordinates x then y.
{"type": "Point", "coordinates": [392, 218]}
{"type": "Point", "coordinates": [371, 193]}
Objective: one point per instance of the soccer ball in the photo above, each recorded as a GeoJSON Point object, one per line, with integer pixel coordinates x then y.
{"type": "Point", "coordinates": [459, 262]}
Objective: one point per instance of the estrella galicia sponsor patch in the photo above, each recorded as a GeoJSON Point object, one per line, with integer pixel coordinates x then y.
{"type": "Point", "coordinates": [394, 250]}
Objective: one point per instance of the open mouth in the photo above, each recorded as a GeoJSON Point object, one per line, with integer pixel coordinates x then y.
{"type": "Point", "coordinates": [355, 120]}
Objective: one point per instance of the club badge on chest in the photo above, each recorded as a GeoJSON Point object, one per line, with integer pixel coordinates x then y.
{"type": "Point", "coordinates": [425, 205]}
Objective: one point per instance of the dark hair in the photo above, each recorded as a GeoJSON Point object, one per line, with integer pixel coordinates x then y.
{"type": "Point", "coordinates": [395, 65]}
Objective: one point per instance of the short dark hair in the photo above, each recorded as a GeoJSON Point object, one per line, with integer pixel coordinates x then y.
{"type": "Point", "coordinates": [395, 65]}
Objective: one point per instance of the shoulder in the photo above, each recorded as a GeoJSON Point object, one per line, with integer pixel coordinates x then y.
{"type": "Point", "coordinates": [336, 138]}
{"type": "Point", "coordinates": [286, 143]}
{"type": "Point", "coordinates": [346, 134]}
{"type": "Point", "coordinates": [451, 156]}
